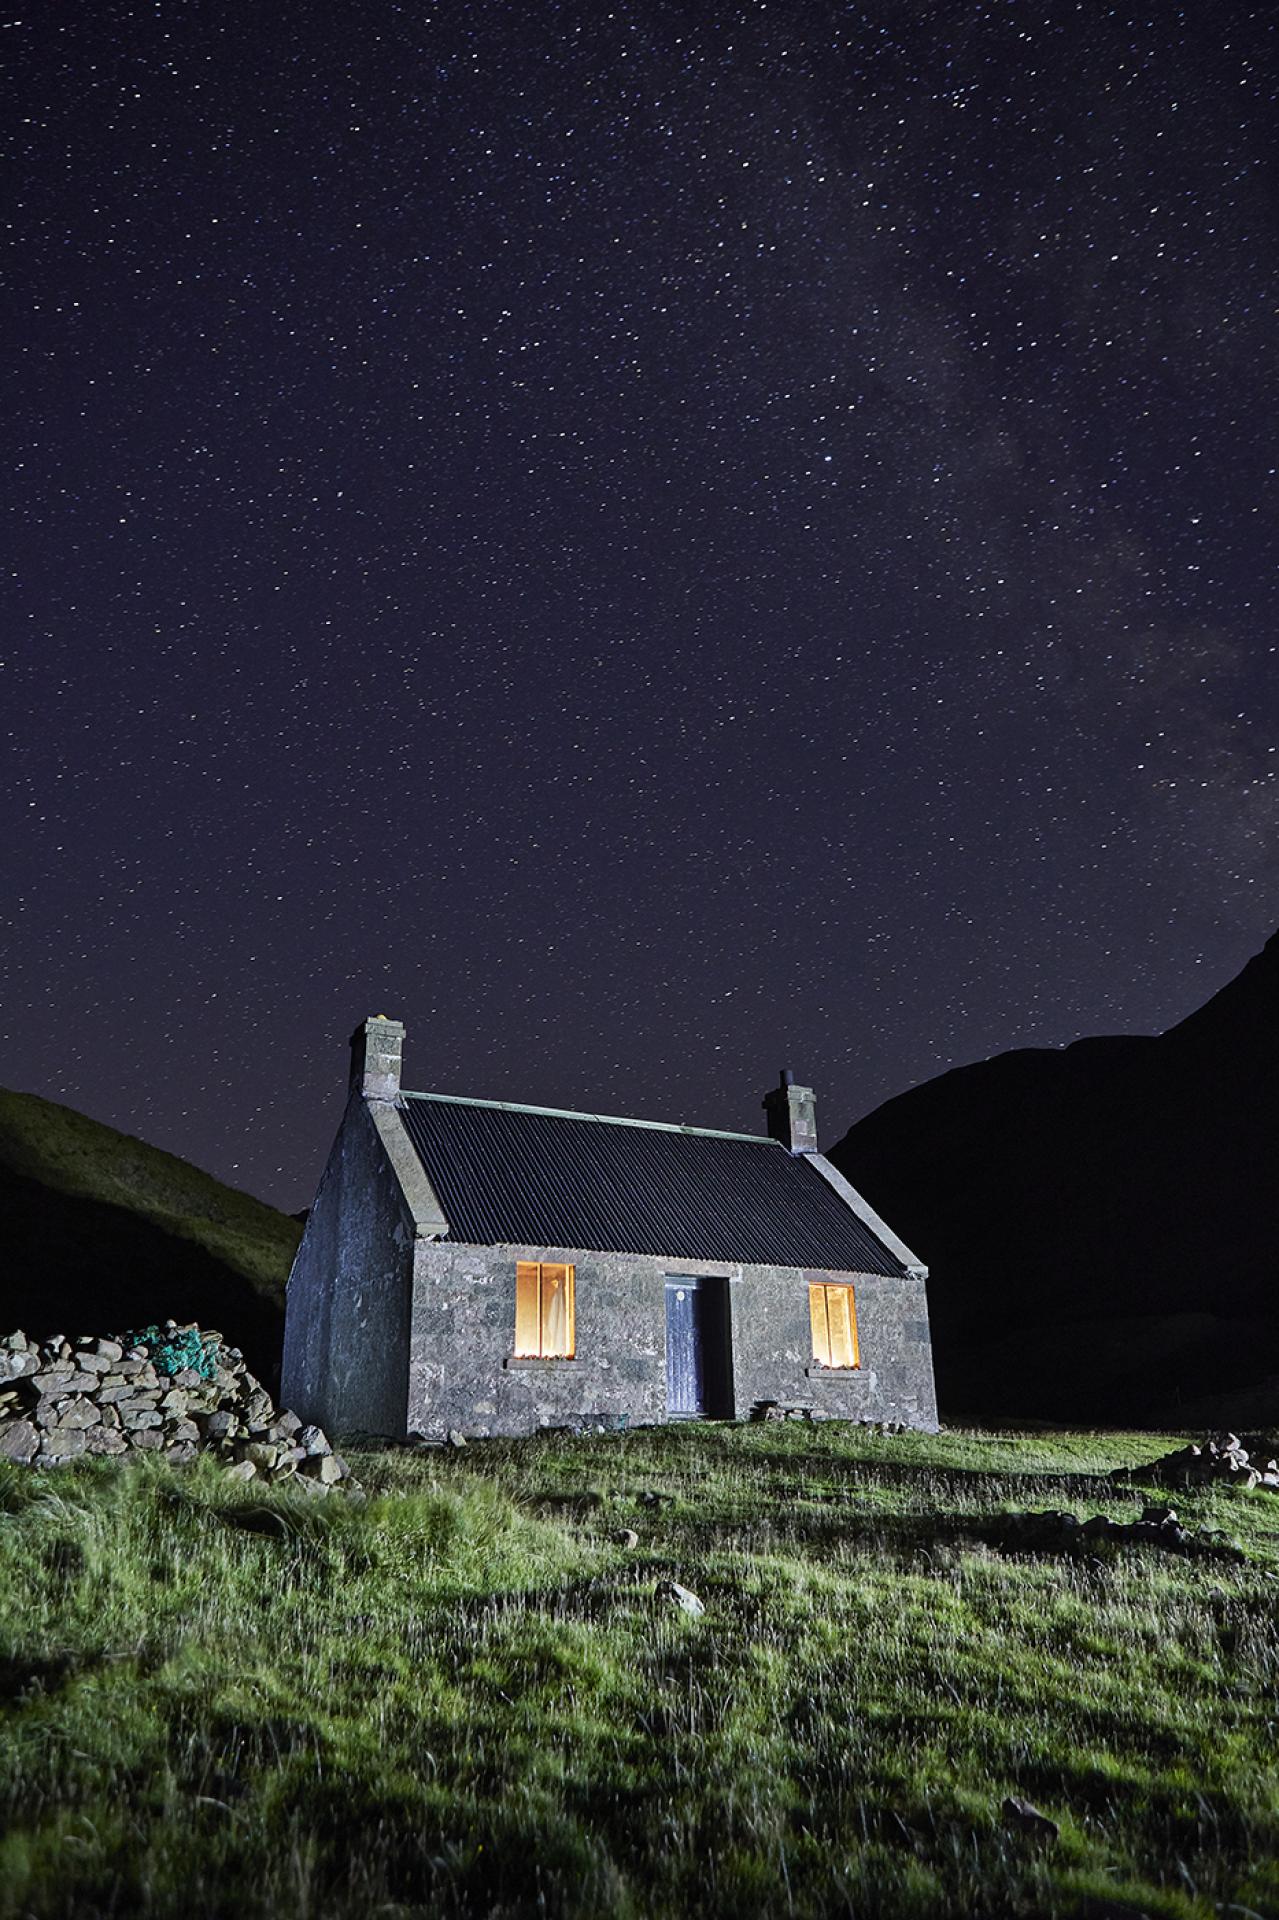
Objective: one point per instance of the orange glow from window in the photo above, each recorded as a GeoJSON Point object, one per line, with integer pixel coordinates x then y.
{"type": "Point", "coordinates": [545, 1310]}
{"type": "Point", "coordinates": [833, 1314]}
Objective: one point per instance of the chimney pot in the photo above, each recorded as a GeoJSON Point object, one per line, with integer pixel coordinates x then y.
{"type": "Point", "coordinates": [376, 1046]}
{"type": "Point", "coordinates": [792, 1115]}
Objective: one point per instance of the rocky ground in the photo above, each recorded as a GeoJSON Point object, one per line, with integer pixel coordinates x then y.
{"type": "Point", "coordinates": [1223, 1457]}
{"type": "Point", "coordinates": [1061, 1531]}
{"type": "Point", "coordinates": [60, 1399]}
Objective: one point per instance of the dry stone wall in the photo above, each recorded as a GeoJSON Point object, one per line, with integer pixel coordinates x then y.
{"type": "Point", "coordinates": [61, 1399]}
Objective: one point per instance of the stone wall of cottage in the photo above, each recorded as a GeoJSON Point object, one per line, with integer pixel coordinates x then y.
{"type": "Point", "coordinates": [346, 1333]}
{"type": "Point", "coordinates": [464, 1376]}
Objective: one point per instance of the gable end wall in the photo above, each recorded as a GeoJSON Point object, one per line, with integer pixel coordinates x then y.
{"type": "Point", "coordinates": [346, 1334]}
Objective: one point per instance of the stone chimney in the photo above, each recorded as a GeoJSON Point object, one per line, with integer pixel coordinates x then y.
{"type": "Point", "coordinates": [792, 1115]}
{"type": "Point", "coordinates": [375, 1058]}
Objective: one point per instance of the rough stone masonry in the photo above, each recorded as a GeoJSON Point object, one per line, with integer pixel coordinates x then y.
{"type": "Point", "coordinates": [62, 1399]}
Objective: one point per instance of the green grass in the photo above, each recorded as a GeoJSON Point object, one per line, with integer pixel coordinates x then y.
{"type": "Point", "coordinates": [71, 1154]}
{"type": "Point", "coordinates": [463, 1698]}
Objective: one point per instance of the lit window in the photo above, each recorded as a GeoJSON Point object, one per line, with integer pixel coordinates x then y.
{"type": "Point", "coordinates": [834, 1317]}
{"type": "Point", "coordinates": [544, 1316]}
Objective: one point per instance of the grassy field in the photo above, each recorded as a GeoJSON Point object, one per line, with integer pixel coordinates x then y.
{"type": "Point", "coordinates": [465, 1698]}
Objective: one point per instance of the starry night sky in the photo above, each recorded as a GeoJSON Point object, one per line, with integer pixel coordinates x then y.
{"type": "Point", "coordinates": [651, 541]}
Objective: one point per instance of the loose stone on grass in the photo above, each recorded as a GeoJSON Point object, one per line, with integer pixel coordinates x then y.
{"type": "Point", "coordinates": [1158, 1527]}
{"type": "Point", "coordinates": [683, 1597]}
{"type": "Point", "coordinates": [1222, 1458]}
{"type": "Point", "coordinates": [1028, 1819]}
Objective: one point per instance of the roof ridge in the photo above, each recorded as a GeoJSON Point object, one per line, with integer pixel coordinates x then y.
{"type": "Point", "coordinates": [604, 1119]}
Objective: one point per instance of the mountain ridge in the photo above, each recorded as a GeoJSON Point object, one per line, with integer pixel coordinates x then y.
{"type": "Point", "coordinates": [1123, 1176]}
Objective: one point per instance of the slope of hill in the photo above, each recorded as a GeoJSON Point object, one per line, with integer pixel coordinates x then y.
{"type": "Point", "coordinates": [479, 1695]}
{"type": "Point", "coordinates": [1098, 1220]}
{"type": "Point", "coordinates": [99, 1229]}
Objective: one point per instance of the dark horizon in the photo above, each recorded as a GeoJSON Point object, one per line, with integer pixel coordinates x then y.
{"type": "Point", "coordinates": [649, 548]}
{"type": "Point", "coordinates": [324, 1126]}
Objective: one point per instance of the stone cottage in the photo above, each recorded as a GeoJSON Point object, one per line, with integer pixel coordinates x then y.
{"type": "Point", "coordinates": [492, 1268]}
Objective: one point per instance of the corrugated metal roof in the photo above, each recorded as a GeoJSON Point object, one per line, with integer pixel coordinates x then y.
{"type": "Point", "coordinates": [520, 1176]}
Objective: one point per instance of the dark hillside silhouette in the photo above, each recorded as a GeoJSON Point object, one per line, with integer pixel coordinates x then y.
{"type": "Point", "coordinates": [1101, 1221]}
{"type": "Point", "coordinates": [100, 1232]}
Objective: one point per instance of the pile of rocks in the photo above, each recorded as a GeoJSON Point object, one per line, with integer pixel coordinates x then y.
{"type": "Point", "coordinates": [61, 1398]}
{"type": "Point", "coordinates": [1157, 1527]}
{"type": "Point", "coordinates": [805, 1410]}
{"type": "Point", "coordinates": [1222, 1458]}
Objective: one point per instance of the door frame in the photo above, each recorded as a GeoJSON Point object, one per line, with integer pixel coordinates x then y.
{"type": "Point", "coordinates": [713, 1322]}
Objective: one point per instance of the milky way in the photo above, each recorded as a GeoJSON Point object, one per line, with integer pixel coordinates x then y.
{"type": "Point", "coordinates": [652, 542]}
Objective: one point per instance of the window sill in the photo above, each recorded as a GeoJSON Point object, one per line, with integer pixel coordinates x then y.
{"type": "Point", "coordinates": [539, 1363]}
{"type": "Point", "coordinates": [832, 1373]}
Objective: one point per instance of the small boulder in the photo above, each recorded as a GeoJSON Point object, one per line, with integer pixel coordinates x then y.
{"type": "Point", "coordinates": [625, 1537]}
{"type": "Point", "coordinates": [1028, 1819]}
{"type": "Point", "coordinates": [683, 1597]}
{"type": "Point", "coordinates": [242, 1472]}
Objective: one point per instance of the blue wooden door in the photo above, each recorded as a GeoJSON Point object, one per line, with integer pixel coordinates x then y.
{"type": "Point", "coordinates": [685, 1348]}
